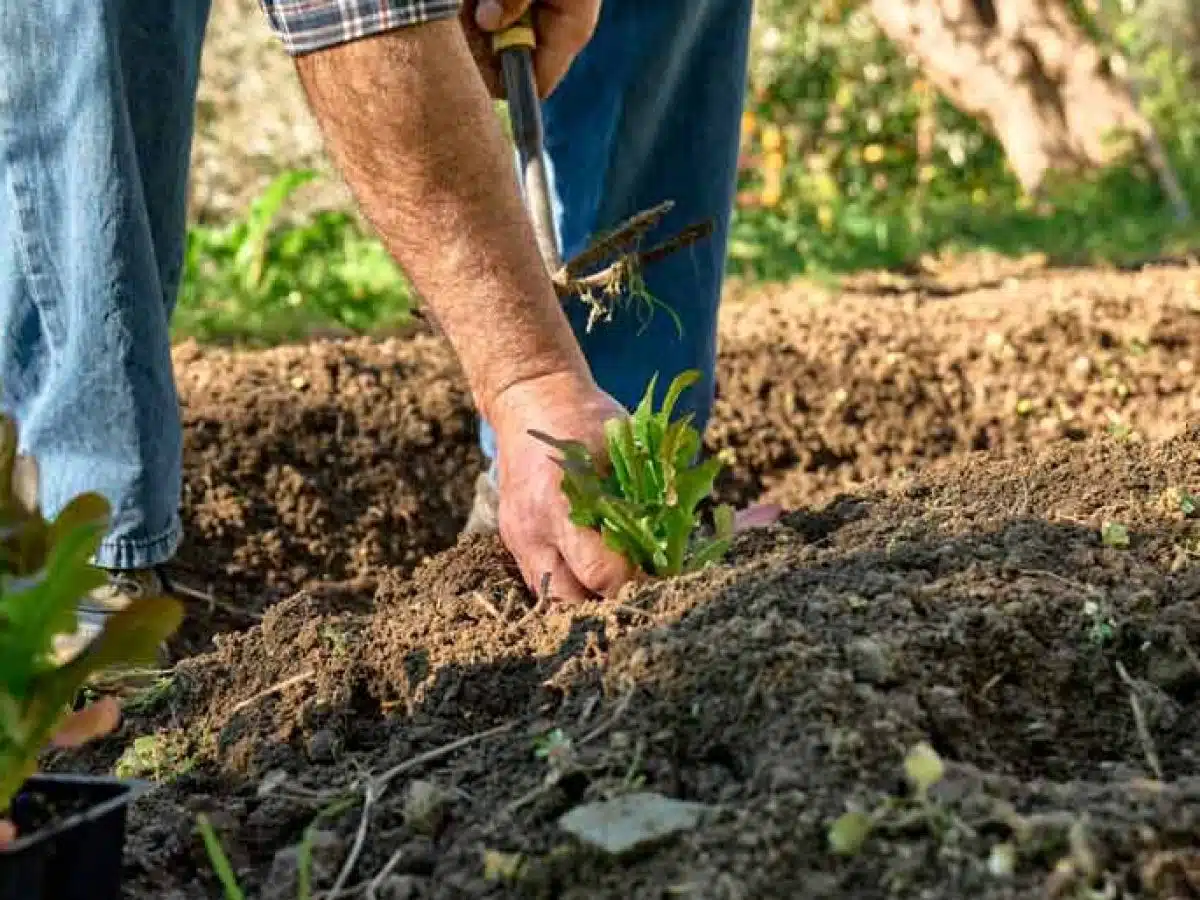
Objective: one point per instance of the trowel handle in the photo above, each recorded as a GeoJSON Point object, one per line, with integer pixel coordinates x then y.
{"type": "Point", "coordinates": [519, 34]}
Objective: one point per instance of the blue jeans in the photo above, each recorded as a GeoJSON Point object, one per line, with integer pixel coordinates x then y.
{"type": "Point", "coordinates": [651, 111]}
{"type": "Point", "coordinates": [97, 99]}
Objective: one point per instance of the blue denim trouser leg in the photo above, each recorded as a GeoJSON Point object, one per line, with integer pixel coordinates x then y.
{"type": "Point", "coordinates": [97, 99]}
{"type": "Point", "coordinates": [651, 111]}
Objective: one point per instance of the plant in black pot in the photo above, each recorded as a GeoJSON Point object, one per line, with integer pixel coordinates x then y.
{"type": "Point", "coordinates": [61, 836]}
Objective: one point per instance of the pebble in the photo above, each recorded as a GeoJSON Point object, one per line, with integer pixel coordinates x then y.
{"type": "Point", "coordinates": [324, 746]}
{"type": "Point", "coordinates": [283, 881]}
{"type": "Point", "coordinates": [872, 662]}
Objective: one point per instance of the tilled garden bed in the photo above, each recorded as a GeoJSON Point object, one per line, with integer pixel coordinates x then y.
{"type": "Point", "coordinates": [992, 546]}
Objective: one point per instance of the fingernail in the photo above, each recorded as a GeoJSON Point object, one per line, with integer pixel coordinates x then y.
{"type": "Point", "coordinates": [488, 14]}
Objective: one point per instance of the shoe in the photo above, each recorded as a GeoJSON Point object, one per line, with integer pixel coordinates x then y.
{"type": "Point", "coordinates": [485, 512]}
{"type": "Point", "coordinates": [122, 588]}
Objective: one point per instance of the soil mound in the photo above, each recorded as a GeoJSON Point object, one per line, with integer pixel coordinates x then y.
{"type": "Point", "coordinates": [989, 608]}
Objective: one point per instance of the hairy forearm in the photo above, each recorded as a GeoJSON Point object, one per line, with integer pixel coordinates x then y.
{"type": "Point", "coordinates": [411, 127]}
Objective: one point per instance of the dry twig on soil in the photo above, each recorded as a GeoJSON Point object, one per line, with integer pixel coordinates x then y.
{"type": "Point", "coordinates": [208, 598]}
{"type": "Point", "coordinates": [1139, 721]}
{"type": "Point", "coordinates": [542, 789]}
{"type": "Point", "coordinates": [374, 788]}
{"type": "Point", "coordinates": [274, 689]}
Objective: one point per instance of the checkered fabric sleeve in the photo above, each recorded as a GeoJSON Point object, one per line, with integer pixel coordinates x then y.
{"type": "Point", "coordinates": [306, 25]}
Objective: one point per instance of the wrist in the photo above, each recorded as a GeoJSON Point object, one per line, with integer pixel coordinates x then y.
{"type": "Point", "coordinates": [520, 399]}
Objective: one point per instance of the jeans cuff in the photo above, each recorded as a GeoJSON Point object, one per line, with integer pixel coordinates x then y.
{"type": "Point", "coordinates": [123, 554]}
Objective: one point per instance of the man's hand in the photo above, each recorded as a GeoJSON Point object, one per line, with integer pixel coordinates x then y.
{"type": "Point", "coordinates": [534, 521]}
{"type": "Point", "coordinates": [563, 28]}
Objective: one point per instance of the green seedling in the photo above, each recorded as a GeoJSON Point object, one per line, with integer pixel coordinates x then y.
{"type": "Point", "coordinates": [220, 861]}
{"type": "Point", "coordinates": [45, 571]}
{"type": "Point", "coordinates": [645, 503]}
{"type": "Point", "coordinates": [1114, 534]}
{"type": "Point", "coordinates": [923, 768]}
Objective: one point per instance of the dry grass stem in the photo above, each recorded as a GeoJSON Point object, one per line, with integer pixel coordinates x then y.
{"type": "Point", "coordinates": [274, 689]}
{"type": "Point", "coordinates": [1139, 721]}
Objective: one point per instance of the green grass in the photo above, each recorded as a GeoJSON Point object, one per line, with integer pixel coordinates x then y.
{"type": "Point", "coordinates": [250, 282]}
{"type": "Point", "coordinates": [1117, 218]}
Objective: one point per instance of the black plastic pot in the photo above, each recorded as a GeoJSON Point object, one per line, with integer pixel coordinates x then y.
{"type": "Point", "coordinates": [76, 856]}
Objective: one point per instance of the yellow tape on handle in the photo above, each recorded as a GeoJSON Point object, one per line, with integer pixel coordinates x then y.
{"type": "Point", "coordinates": [519, 34]}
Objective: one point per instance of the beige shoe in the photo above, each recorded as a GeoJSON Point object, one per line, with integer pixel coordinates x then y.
{"type": "Point", "coordinates": [485, 512]}
{"type": "Point", "coordinates": [121, 589]}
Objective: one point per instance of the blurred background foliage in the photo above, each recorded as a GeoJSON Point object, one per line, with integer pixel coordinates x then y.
{"type": "Point", "coordinates": [851, 160]}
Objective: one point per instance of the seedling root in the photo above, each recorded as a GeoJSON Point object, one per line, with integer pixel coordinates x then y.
{"type": "Point", "coordinates": [611, 267]}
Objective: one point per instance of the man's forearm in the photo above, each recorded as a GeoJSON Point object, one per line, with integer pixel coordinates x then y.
{"type": "Point", "coordinates": [413, 131]}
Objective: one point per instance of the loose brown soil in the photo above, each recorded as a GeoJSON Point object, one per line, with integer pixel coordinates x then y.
{"type": "Point", "coordinates": [941, 576]}
{"type": "Point", "coordinates": [317, 464]}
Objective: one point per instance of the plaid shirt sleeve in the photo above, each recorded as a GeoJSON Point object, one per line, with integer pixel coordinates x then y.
{"type": "Point", "coordinates": [307, 25]}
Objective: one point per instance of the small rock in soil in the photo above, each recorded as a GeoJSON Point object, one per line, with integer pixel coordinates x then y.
{"type": "Point", "coordinates": [324, 746]}
{"type": "Point", "coordinates": [425, 807]}
{"type": "Point", "coordinates": [872, 662]}
{"type": "Point", "coordinates": [632, 821]}
{"type": "Point", "coordinates": [284, 878]}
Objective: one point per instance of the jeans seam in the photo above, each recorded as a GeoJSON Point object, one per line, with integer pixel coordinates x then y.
{"type": "Point", "coordinates": [122, 550]}
{"type": "Point", "coordinates": [35, 255]}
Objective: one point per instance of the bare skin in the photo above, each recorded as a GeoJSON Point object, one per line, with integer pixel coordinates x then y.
{"type": "Point", "coordinates": [409, 122]}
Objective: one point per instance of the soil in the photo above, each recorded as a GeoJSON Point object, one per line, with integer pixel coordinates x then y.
{"type": "Point", "coordinates": [952, 452]}
{"type": "Point", "coordinates": [319, 464]}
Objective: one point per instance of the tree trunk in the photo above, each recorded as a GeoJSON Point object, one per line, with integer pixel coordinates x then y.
{"type": "Point", "coordinates": [1028, 71]}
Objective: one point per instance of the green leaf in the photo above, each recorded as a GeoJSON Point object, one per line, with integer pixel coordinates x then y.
{"type": "Point", "coordinates": [623, 519]}
{"type": "Point", "coordinates": [713, 549]}
{"type": "Point", "coordinates": [1114, 534]}
{"type": "Point", "coordinates": [694, 484]}
{"type": "Point", "coordinates": [677, 524]}
{"type": "Point", "coordinates": [848, 834]}
{"type": "Point", "coordinates": [724, 520]}
{"type": "Point", "coordinates": [131, 636]}
{"type": "Point", "coordinates": [626, 450]}
{"type": "Point", "coordinates": [572, 451]}
{"type": "Point", "coordinates": [251, 255]}
{"type": "Point", "coordinates": [89, 511]}
{"type": "Point", "coordinates": [682, 382]}
{"type": "Point", "coordinates": [220, 862]}
{"type": "Point", "coordinates": [923, 767]}
{"type": "Point", "coordinates": [619, 460]}
{"type": "Point", "coordinates": [645, 409]}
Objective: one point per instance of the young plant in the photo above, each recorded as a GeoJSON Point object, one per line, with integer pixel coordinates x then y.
{"type": "Point", "coordinates": [45, 571]}
{"type": "Point", "coordinates": [645, 503]}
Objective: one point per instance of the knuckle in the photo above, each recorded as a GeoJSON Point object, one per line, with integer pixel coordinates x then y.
{"type": "Point", "coordinates": [601, 575]}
